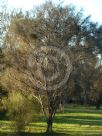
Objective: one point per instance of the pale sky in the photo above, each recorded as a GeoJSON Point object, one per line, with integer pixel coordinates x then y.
{"type": "Point", "coordinates": [91, 7]}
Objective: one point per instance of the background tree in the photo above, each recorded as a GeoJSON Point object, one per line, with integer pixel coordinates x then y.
{"type": "Point", "coordinates": [96, 86]}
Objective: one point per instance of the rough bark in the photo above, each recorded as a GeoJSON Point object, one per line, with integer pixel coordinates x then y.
{"type": "Point", "coordinates": [49, 125]}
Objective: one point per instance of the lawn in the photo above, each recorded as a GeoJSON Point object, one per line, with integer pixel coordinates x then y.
{"type": "Point", "coordinates": [75, 121]}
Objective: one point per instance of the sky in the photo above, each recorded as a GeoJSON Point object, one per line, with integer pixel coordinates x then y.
{"type": "Point", "coordinates": [91, 7]}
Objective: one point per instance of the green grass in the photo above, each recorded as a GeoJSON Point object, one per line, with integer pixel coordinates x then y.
{"type": "Point", "coordinates": [75, 121]}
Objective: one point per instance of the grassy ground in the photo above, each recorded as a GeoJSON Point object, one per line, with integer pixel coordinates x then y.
{"type": "Point", "coordinates": [75, 121]}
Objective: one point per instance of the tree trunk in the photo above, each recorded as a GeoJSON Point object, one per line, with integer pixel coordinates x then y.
{"type": "Point", "coordinates": [61, 108]}
{"type": "Point", "coordinates": [98, 105]}
{"type": "Point", "coordinates": [85, 98]}
{"type": "Point", "coordinates": [49, 125]}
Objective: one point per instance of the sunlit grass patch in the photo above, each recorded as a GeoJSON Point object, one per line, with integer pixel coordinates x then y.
{"type": "Point", "coordinates": [75, 121]}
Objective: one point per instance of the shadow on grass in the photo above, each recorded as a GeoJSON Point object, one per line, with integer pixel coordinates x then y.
{"type": "Point", "coordinates": [87, 110]}
{"type": "Point", "coordinates": [33, 134]}
{"type": "Point", "coordinates": [44, 134]}
{"type": "Point", "coordinates": [82, 116]}
{"type": "Point", "coordinates": [82, 120]}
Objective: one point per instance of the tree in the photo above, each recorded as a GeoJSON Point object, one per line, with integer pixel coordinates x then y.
{"type": "Point", "coordinates": [38, 45]}
{"type": "Point", "coordinates": [96, 84]}
{"type": "Point", "coordinates": [4, 21]}
{"type": "Point", "coordinates": [84, 60]}
{"type": "Point", "coordinates": [81, 76]}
